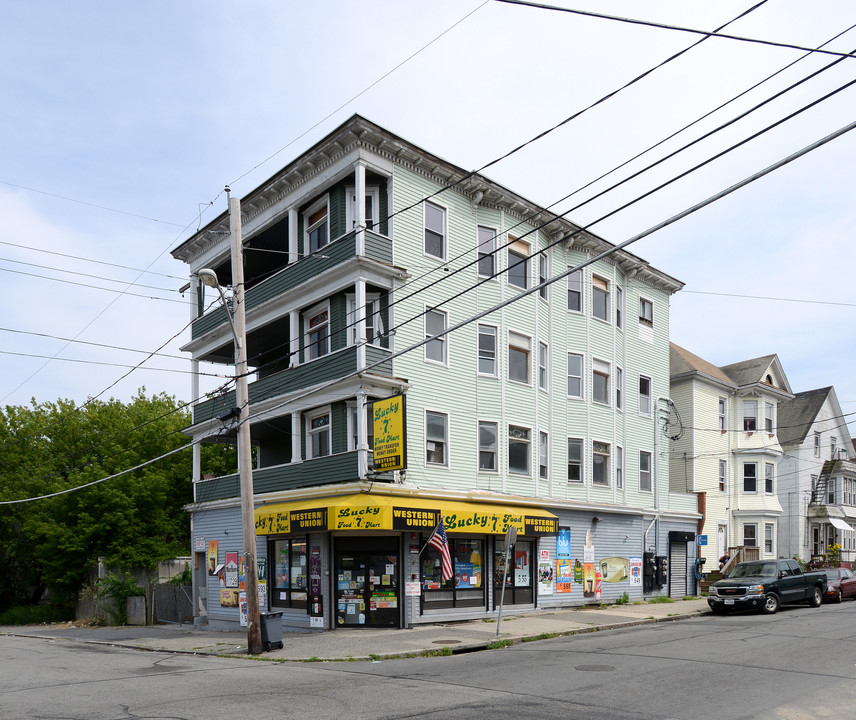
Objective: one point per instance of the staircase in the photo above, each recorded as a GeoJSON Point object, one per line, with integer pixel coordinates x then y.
{"type": "Point", "coordinates": [818, 492]}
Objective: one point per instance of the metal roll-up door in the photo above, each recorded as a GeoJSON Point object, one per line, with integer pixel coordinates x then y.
{"type": "Point", "coordinates": [677, 569]}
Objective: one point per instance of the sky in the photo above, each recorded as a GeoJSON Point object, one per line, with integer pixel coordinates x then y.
{"type": "Point", "coordinates": [123, 122]}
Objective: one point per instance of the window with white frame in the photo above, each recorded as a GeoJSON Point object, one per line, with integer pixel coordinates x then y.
{"type": "Point", "coordinates": [317, 323]}
{"type": "Point", "coordinates": [619, 467]}
{"type": "Point", "coordinates": [750, 535]}
{"type": "Point", "coordinates": [768, 537]}
{"type": "Point", "coordinates": [722, 418]}
{"type": "Point", "coordinates": [374, 322]}
{"type": "Point", "coordinates": [575, 460]}
{"type": "Point", "coordinates": [575, 291]}
{"type": "Point", "coordinates": [646, 312]}
{"type": "Point", "coordinates": [600, 382]}
{"type": "Point", "coordinates": [543, 275]}
{"type": "Point", "coordinates": [353, 440]}
{"type": "Point", "coordinates": [575, 375]}
{"type": "Point", "coordinates": [750, 415]}
{"type": "Point", "coordinates": [817, 444]}
{"type": "Point", "coordinates": [832, 448]}
{"type": "Point", "coordinates": [318, 434]}
{"type": "Point", "coordinates": [600, 463]}
{"type": "Point", "coordinates": [619, 307]}
{"type": "Point", "coordinates": [645, 396]}
{"type": "Point", "coordinates": [487, 350]}
{"type": "Point", "coordinates": [436, 438]}
{"type": "Point", "coordinates": [518, 263]}
{"type": "Point", "coordinates": [750, 477]}
{"type": "Point", "coordinates": [488, 433]}
{"type": "Point", "coordinates": [518, 449]}
{"type": "Point", "coordinates": [542, 365]}
{"type": "Point", "coordinates": [769, 417]}
{"type": "Point", "coordinates": [600, 298]}
{"type": "Point", "coordinates": [645, 471]}
{"type": "Point", "coordinates": [543, 455]}
{"type": "Point", "coordinates": [769, 478]}
{"type": "Point", "coordinates": [518, 357]}
{"type": "Point", "coordinates": [723, 469]}
{"type": "Point", "coordinates": [619, 389]}
{"type": "Point", "coordinates": [435, 231]}
{"type": "Point", "coordinates": [317, 226]}
{"type": "Point", "coordinates": [370, 207]}
{"type": "Point", "coordinates": [487, 249]}
{"type": "Point", "coordinates": [435, 348]}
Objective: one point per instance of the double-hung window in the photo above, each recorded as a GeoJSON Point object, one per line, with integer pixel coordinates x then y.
{"type": "Point", "coordinates": [769, 477]}
{"type": "Point", "coordinates": [600, 463]}
{"type": "Point", "coordinates": [488, 432]}
{"type": "Point", "coordinates": [487, 248]}
{"type": "Point", "coordinates": [436, 438]}
{"type": "Point", "coordinates": [645, 396]}
{"type": "Point", "coordinates": [575, 375]}
{"type": "Point", "coordinates": [600, 382]}
{"type": "Point", "coordinates": [575, 291]}
{"type": "Point", "coordinates": [750, 415]}
{"type": "Point", "coordinates": [769, 417]}
{"type": "Point", "coordinates": [600, 298]}
{"type": "Point", "coordinates": [318, 434]}
{"type": "Point", "coordinates": [619, 307]}
{"type": "Point", "coordinates": [619, 467]}
{"type": "Point", "coordinates": [722, 418]}
{"type": "Point", "coordinates": [543, 455]}
{"type": "Point", "coordinates": [435, 231]}
{"type": "Point", "coordinates": [750, 478]}
{"type": "Point", "coordinates": [543, 274]}
{"type": "Point", "coordinates": [518, 357]}
{"type": "Point", "coordinates": [518, 449]}
{"type": "Point", "coordinates": [575, 460]}
{"type": "Point", "coordinates": [646, 312]}
{"type": "Point", "coordinates": [750, 535]}
{"type": "Point", "coordinates": [645, 471]}
{"type": "Point", "coordinates": [317, 323]}
{"type": "Point", "coordinates": [518, 263]}
{"type": "Point", "coordinates": [832, 442]}
{"type": "Point", "coordinates": [487, 350]}
{"type": "Point", "coordinates": [374, 322]}
{"type": "Point", "coordinates": [768, 538]}
{"type": "Point", "coordinates": [370, 208]}
{"type": "Point", "coordinates": [816, 444]}
{"type": "Point", "coordinates": [435, 348]}
{"type": "Point", "coordinates": [317, 227]}
{"type": "Point", "coordinates": [723, 468]}
{"type": "Point", "coordinates": [542, 365]}
{"type": "Point", "coordinates": [619, 389]}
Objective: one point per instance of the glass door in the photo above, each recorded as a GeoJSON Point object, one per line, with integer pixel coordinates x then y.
{"type": "Point", "coordinates": [367, 582]}
{"type": "Point", "coordinates": [518, 576]}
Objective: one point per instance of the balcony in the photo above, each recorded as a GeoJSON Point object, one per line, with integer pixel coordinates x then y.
{"type": "Point", "coordinates": [329, 367]}
{"type": "Point", "coordinates": [377, 247]}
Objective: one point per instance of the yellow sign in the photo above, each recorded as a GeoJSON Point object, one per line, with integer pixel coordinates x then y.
{"type": "Point", "coordinates": [388, 424]}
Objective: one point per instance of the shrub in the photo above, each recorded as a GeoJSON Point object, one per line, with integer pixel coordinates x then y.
{"type": "Point", "coordinates": [36, 614]}
{"type": "Point", "coordinates": [119, 588]}
{"type": "Point", "coordinates": [623, 599]}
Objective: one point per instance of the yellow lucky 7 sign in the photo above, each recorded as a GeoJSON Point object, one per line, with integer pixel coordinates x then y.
{"type": "Point", "coordinates": [388, 423]}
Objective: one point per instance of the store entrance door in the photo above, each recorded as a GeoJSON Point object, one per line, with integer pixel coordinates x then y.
{"type": "Point", "coordinates": [367, 582]}
{"type": "Point", "coordinates": [518, 578]}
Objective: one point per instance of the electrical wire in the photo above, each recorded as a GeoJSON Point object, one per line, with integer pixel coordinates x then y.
{"type": "Point", "coordinates": [91, 344]}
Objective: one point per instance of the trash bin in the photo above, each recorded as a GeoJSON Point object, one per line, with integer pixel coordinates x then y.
{"type": "Point", "coordinates": [271, 630]}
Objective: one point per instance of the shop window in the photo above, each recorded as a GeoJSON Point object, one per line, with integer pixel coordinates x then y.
{"type": "Point", "coordinates": [289, 573]}
{"type": "Point", "coordinates": [467, 584]}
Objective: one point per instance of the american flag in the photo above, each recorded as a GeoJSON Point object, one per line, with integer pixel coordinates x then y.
{"type": "Point", "coordinates": [441, 542]}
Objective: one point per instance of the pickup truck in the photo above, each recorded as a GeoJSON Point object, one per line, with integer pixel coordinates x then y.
{"type": "Point", "coordinates": [765, 585]}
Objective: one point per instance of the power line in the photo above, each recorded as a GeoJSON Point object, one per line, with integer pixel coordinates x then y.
{"type": "Point", "coordinates": [85, 342]}
{"type": "Point", "coordinates": [777, 299]}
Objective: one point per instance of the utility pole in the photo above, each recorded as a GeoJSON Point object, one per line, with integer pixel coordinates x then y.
{"type": "Point", "coordinates": [245, 462]}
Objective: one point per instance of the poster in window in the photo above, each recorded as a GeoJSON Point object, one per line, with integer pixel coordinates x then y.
{"type": "Point", "coordinates": [521, 568]}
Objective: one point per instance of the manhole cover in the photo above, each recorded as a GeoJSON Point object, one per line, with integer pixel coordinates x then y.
{"type": "Point", "coordinates": [595, 668]}
{"type": "Point", "coordinates": [445, 642]}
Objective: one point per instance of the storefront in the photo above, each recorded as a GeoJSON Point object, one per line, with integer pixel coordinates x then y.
{"type": "Point", "coordinates": [366, 558]}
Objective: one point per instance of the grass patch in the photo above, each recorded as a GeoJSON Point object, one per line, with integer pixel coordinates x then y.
{"type": "Point", "coordinates": [542, 636]}
{"type": "Point", "coordinates": [623, 599]}
{"type": "Point", "coordinates": [373, 656]}
{"type": "Point", "coordinates": [661, 599]}
{"type": "Point", "coordinates": [36, 615]}
{"type": "Point", "coordinates": [496, 644]}
{"type": "Point", "coordinates": [439, 652]}
{"type": "Point", "coordinates": [689, 597]}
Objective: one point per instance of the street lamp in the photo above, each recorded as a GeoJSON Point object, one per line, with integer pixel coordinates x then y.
{"type": "Point", "coordinates": [245, 468]}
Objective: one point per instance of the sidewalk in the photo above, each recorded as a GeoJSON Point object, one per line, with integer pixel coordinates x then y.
{"type": "Point", "coordinates": [377, 643]}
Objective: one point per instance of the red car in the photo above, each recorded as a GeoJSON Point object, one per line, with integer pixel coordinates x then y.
{"type": "Point", "coordinates": [840, 583]}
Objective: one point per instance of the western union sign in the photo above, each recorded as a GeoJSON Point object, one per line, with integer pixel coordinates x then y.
{"type": "Point", "coordinates": [384, 512]}
{"type": "Point", "coordinates": [389, 430]}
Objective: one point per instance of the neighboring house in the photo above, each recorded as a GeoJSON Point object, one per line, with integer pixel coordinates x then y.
{"type": "Point", "coordinates": [541, 415]}
{"type": "Point", "coordinates": [729, 450]}
{"type": "Point", "coordinates": [817, 480]}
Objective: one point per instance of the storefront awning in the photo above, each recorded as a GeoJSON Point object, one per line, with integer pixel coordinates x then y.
{"type": "Point", "coordinates": [385, 512]}
{"type": "Point", "coordinates": [839, 523]}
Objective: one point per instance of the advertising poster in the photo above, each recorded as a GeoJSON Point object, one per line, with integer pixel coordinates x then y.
{"type": "Point", "coordinates": [588, 580]}
{"type": "Point", "coordinates": [242, 604]}
{"type": "Point", "coordinates": [614, 569]}
{"type": "Point", "coordinates": [388, 426]}
{"type": "Point", "coordinates": [521, 568]}
{"type": "Point", "coordinates": [212, 557]}
{"type": "Point", "coordinates": [563, 543]}
{"type": "Point", "coordinates": [578, 572]}
{"type": "Point", "coordinates": [588, 550]}
{"type": "Point", "coordinates": [635, 570]}
{"type": "Point", "coordinates": [228, 597]}
{"type": "Point", "coordinates": [545, 578]}
{"type": "Point", "coordinates": [231, 569]}
{"type": "Point", "coordinates": [564, 575]}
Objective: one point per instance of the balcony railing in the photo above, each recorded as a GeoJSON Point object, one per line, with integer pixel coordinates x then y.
{"type": "Point", "coordinates": [377, 247]}
{"type": "Point", "coordinates": [329, 367]}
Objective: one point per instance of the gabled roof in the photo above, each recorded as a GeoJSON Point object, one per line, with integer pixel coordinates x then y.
{"type": "Point", "coordinates": [797, 415]}
{"type": "Point", "coordinates": [682, 362]}
{"type": "Point", "coordinates": [757, 371]}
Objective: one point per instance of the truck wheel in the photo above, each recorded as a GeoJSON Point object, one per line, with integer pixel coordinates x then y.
{"type": "Point", "coordinates": [771, 603]}
{"type": "Point", "coordinates": [816, 598]}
